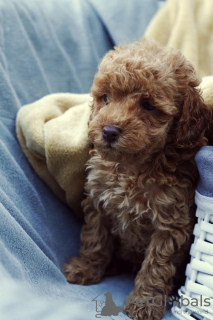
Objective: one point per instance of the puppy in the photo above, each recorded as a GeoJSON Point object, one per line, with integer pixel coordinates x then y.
{"type": "Point", "coordinates": [148, 121]}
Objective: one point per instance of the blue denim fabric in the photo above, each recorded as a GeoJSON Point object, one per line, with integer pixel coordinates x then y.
{"type": "Point", "coordinates": [204, 160]}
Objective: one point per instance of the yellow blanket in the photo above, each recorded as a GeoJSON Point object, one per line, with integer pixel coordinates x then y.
{"type": "Point", "coordinates": [53, 130]}
{"type": "Point", "coordinates": [53, 135]}
{"type": "Point", "coordinates": [187, 25]}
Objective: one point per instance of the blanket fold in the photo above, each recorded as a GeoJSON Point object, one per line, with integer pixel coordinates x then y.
{"type": "Point", "coordinates": [186, 25]}
{"type": "Point", "coordinates": [53, 130]}
{"type": "Point", "coordinates": [53, 135]}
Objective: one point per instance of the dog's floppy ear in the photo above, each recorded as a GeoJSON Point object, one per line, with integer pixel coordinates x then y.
{"type": "Point", "coordinates": [194, 116]}
{"type": "Point", "coordinates": [194, 120]}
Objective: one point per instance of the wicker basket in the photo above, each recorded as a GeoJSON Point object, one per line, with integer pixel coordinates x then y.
{"type": "Point", "coordinates": [196, 297]}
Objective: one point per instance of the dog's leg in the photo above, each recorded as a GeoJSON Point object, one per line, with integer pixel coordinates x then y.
{"type": "Point", "coordinates": [153, 282]}
{"type": "Point", "coordinates": [96, 249]}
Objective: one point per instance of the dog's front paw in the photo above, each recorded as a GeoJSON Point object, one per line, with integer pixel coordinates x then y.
{"type": "Point", "coordinates": [81, 271]}
{"type": "Point", "coordinates": [141, 309]}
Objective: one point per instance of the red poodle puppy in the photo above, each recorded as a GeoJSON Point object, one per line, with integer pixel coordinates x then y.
{"type": "Point", "coordinates": [147, 123]}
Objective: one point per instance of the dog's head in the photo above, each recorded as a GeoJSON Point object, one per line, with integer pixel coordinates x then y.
{"type": "Point", "coordinates": [145, 97]}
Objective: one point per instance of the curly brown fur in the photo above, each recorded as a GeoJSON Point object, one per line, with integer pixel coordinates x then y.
{"type": "Point", "coordinates": [148, 121]}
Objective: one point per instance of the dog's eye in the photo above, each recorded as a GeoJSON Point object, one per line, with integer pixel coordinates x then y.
{"type": "Point", "coordinates": [147, 106]}
{"type": "Point", "coordinates": [105, 99]}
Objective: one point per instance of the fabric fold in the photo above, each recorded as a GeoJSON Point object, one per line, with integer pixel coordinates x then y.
{"type": "Point", "coordinates": [53, 135]}
{"type": "Point", "coordinates": [186, 25]}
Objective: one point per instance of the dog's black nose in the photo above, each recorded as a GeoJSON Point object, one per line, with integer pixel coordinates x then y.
{"type": "Point", "coordinates": [110, 133]}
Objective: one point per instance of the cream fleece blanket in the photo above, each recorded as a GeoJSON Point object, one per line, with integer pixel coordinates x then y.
{"type": "Point", "coordinates": [53, 130]}
{"type": "Point", "coordinates": [187, 25]}
{"type": "Point", "coordinates": [53, 135]}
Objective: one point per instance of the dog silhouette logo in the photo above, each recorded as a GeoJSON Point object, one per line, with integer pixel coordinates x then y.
{"type": "Point", "coordinates": [106, 306]}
